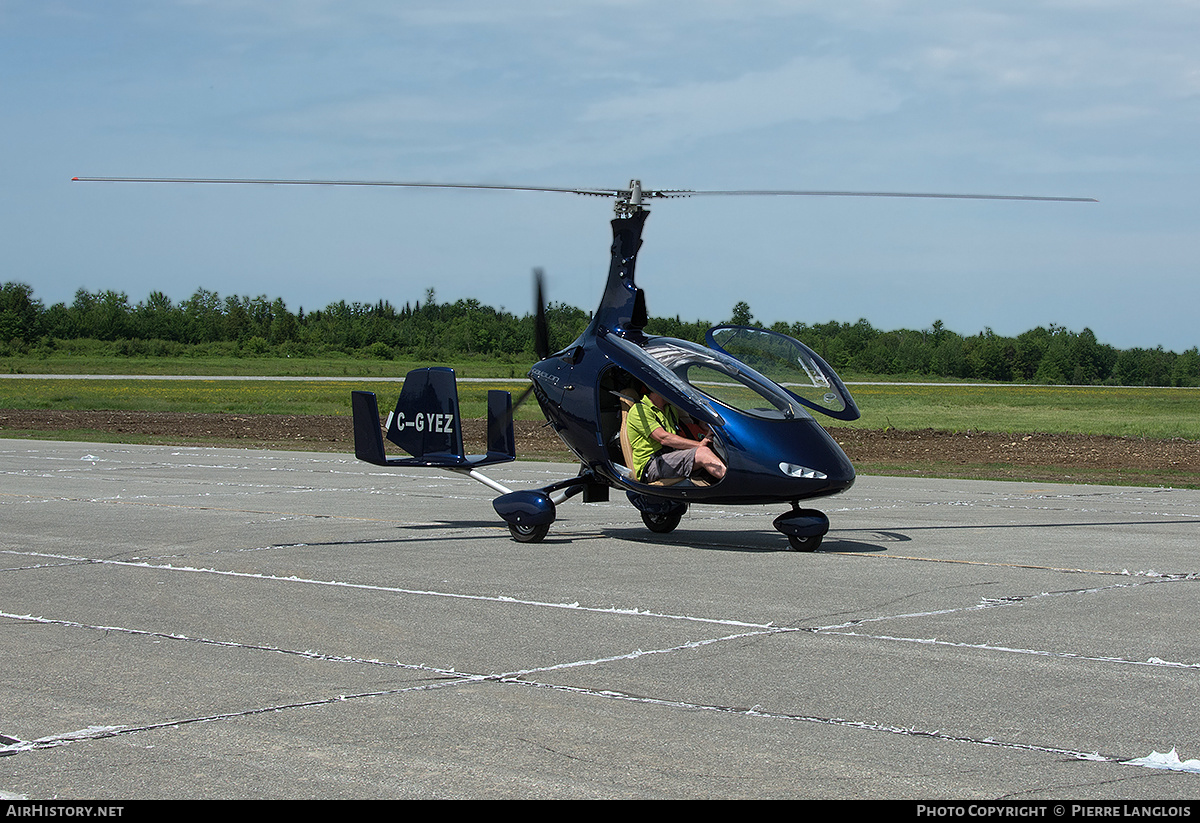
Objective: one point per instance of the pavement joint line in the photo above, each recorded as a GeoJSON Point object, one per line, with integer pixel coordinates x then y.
{"type": "Point", "coordinates": [101, 732]}
{"type": "Point", "coordinates": [998, 602]}
{"type": "Point", "coordinates": [516, 678]}
{"type": "Point", "coordinates": [633, 612]}
{"type": "Point", "coordinates": [933, 641]}
{"type": "Point", "coordinates": [448, 673]}
{"type": "Point", "coordinates": [760, 629]}
{"type": "Point", "coordinates": [691, 644]}
{"type": "Point", "coordinates": [911, 731]}
{"type": "Point", "coordinates": [1035, 567]}
{"type": "Point", "coordinates": [233, 644]}
{"type": "Point", "coordinates": [451, 678]}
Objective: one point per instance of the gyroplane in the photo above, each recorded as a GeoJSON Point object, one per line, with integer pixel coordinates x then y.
{"type": "Point", "coordinates": [752, 394]}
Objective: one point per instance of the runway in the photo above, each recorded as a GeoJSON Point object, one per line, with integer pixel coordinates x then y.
{"type": "Point", "coordinates": [220, 623]}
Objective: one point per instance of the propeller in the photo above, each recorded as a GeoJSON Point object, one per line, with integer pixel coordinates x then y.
{"type": "Point", "coordinates": [541, 330]}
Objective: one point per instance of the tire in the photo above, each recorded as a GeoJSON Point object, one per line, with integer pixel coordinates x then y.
{"type": "Point", "coordinates": [803, 544]}
{"type": "Point", "coordinates": [663, 523]}
{"type": "Point", "coordinates": [529, 534]}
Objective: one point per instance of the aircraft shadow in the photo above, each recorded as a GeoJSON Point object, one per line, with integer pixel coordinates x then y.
{"type": "Point", "coordinates": [751, 542]}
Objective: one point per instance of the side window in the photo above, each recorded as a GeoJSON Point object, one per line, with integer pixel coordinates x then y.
{"type": "Point", "coordinates": [724, 388]}
{"type": "Point", "coordinates": [789, 363]}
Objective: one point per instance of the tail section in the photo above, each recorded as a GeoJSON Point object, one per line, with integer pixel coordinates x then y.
{"type": "Point", "coordinates": [427, 424]}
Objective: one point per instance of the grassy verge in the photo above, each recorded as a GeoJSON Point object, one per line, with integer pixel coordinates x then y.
{"type": "Point", "coordinates": [1122, 412]}
{"type": "Point", "coordinates": [321, 397]}
{"type": "Point", "coordinates": [1125, 412]}
{"type": "Point", "coordinates": [1178, 479]}
{"type": "Point", "coordinates": [331, 365]}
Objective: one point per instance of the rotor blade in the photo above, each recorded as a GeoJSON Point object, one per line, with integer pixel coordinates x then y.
{"type": "Point", "coordinates": [391, 183]}
{"type": "Point", "coordinates": [930, 195]}
{"type": "Point", "coordinates": [622, 192]}
{"type": "Point", "coordinates": [541, 327]}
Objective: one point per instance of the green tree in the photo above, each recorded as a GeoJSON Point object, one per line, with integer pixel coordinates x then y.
{"type": "Point", "coordinates": [158, 318]}
{"type": "Point", "coordinates": [19, 313]}
{"type": "Point", "coordinates": [203, 317]}
{"type": "Point", "coordinates": [741, 314]}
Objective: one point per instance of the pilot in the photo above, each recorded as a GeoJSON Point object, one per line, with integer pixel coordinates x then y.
{"type": "Point", "coordinates": [659, 451]}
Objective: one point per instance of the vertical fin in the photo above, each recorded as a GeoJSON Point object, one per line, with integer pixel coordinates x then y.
{"type": "Point", "coordinates": [500, 438]}
{"type": "Point", "coordinates": [368, 440]}
{"type": "Point", "coordinates": [426, 423]}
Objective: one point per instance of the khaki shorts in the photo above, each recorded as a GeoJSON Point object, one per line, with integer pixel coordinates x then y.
{"type": "Point", "coordinates": [666, 464]}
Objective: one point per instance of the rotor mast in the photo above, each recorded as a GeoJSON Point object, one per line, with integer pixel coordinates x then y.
{"type": "Point", "coordinates": [629, 203]}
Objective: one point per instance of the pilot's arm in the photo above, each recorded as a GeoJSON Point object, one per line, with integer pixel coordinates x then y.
{"type": "Point", "coordinates": [678, 441]}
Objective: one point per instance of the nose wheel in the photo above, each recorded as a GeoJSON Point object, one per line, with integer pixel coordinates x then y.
{"type": "Point", "coordinates": [804, 528]}
{"type": "Point", "coordinates": [663, 522]}
{"type": "Point", "coordinates": [528, 534]}
{"type": "Point", "coordinates": [803, 544]}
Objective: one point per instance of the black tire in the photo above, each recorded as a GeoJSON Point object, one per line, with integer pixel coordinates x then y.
{"type": "Point", "coordinates": [663, 523]}
{"type": "Point", "coordinates": [803, 544]}
{"type": "Point", "coordinates": [529, 534]}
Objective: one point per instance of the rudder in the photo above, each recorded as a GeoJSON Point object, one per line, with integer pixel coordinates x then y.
{"type": "Point", "coordinates": [426, 423]}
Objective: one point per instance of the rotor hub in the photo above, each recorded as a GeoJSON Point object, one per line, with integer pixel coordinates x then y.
{"type": "Point", "coordinates": [629, 202]}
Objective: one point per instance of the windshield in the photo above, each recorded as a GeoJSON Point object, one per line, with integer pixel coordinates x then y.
{"type": "Point", "coordinates": [724, 379]}
{"type": "Point", "coordinates": [790, 363]}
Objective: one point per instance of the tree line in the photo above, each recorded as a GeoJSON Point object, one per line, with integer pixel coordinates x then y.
{"type": "Point", "coordinates": [431, 331]}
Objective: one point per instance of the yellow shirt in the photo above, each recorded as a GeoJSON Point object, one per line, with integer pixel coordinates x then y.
{"type": "Point", "coordinates": [644, 418]}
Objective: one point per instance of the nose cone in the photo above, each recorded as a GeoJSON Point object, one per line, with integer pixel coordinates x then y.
{"type": "Point", "coordinates": [790, 460]}
{"type": "Point", "coordinates": [843, 477]}
{"type": "Point", "coordinates": [814, 457]}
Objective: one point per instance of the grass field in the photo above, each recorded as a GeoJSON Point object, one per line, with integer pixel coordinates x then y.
{"type": "Point", "coordinates": [333, 365]}
{"type": "Point", "coordinates": [1138, 412]}
{"type": "Point", "coordinates": [1127, 412]}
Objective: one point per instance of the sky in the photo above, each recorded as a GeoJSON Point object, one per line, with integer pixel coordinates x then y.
{"type": "Point", "coordinates": [1085, 98]}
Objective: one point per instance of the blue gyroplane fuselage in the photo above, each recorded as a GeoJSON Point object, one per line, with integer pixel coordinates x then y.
{"type": "Point", "coordinates": [754, 390]}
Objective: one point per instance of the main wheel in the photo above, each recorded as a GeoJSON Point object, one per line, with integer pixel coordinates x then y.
{"type": "Point", "coordinates": [663, 523]}
{"type": "Point", "coordinates": [528, 534]}
{"type": "Point", "coordinates": [803, 544]}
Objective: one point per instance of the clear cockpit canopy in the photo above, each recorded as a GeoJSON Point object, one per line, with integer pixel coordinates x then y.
{"type": "Point", "coordinates": [722, 378]}
{"type": "Point", "coordinates": [790, 363]}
